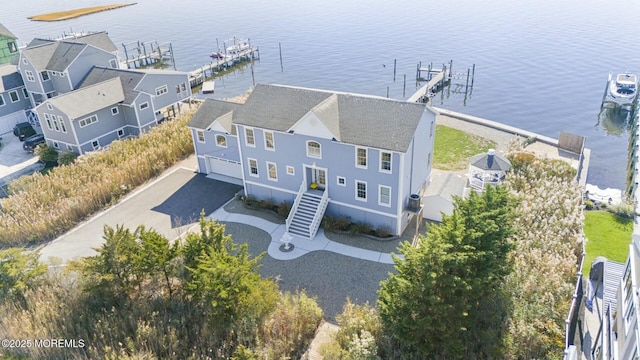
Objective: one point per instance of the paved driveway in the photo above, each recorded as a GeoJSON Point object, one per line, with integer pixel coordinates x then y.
{"type": "Point", "coordinates": [171, 205]}
{"type": "Point", "coordinates": [14, 161]}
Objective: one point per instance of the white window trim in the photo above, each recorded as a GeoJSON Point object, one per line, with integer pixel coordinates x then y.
{"type": "Point", "coordinates": [146, 105]}
{"type": "Point", "coordinates": [25, 93]}
{"type": "Point", "coordinates": [275, 167]}
{"type": "Point", "coordinates": [162, 90]}
{"type": "Point", "coordinates": [87, 118]}
{"type": "Point", "coordinates": [113, 63]}
{"type": "Point", "coordinates": [54, 73]}
{"type": "Point", "coordinates": [47, 118]}
{"type": "Point", "coordinates": [120, 133]}
{"type": "Point", "coordinates": [56, 145]}
{"type": "Point", "coordinates": [380, 195]}
{"type": "Point", "coordinates": [17, 96]}
{"type": "Point", "coordinates": [55, 123]}
{"type": "Point", "coordinates": [63, 127]}
{"type": "Point", "coordinates": [366, 157]}
{"type": "Point", "coordinates": [319, 149]}
{"type": "Point", "coordinates": [2, 99]}
{"type": "Point", "coordinates": [344, 180]}
{"type": "Point", "coordinates": [273, 140]}
{"type": "Point", "coordinates": [365, 190]}
{"type": "Point", "coordinates": [291, 170]}
{"type": "Point", "coordinates": [93, 146]}
{"type": "Point", "coordinates": [116, 112]}
{"type": "Point", "coordinates": [198, 133]}
{"type": "Point", "coordinates": [257, 174]}
{"type": "Point", "coordinates": [218, 142]}
{"type": "Point", "coordinates": [29, 74]}
{"type": "Point", "coordinates": [49, 106]}
{"type": "Point", "coordinates": [390, 162]}
{"type": "Point", "coordinates": [246, 137]}
{"type": "Point", "coordinates": [24, 61]}
{"type": "Point", "coordinates": [42, 75]}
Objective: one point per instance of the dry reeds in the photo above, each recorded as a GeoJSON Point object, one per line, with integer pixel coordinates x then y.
{"type": "Point", "coordinates": [42, 207]}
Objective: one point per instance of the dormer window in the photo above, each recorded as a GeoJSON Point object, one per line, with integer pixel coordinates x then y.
{"type": "Point", "coordinates": [314, 150]}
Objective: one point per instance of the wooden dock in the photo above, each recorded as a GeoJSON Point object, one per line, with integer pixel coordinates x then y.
{"type": "Point", "coordinates": [200, 74]}
{"type": "Point", "coordinates": [429, 89]}
{"type": "Point", "coordinates": [144, 54]}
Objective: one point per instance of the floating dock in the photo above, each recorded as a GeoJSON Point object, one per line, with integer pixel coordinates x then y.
{"type": "Point", "coordinates": [209, 87]}
{"type": "Point", "coordinates": [438, 78]}
{"type": "Point", "coordinates": [198, 76]}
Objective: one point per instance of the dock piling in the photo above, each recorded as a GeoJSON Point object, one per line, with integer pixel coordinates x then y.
{"type": "Point", "coordinates": [404, 85]}
{"type": "Point", "coordinates": [387, 92]}
{"type": "Point", "coordinates": [280, 49]}
{"type": "Point", "coordinates": [394, 69]}
{"type": "Point", "coordinates": [473, 73]}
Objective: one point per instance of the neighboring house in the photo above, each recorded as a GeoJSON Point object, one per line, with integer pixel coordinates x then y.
{"type": "Point", "coordinates": [352, 155]}
{"type": "Point", "coordinates": [620, 337]}
{"type": "Point", "coordinates": [110, 104]}
{"type": "Point", "coordinates": [52, 67]}
{"type": "Point", "coordinates": [14, 99]}
{"type": "Point", "coordinates": [8, 45]}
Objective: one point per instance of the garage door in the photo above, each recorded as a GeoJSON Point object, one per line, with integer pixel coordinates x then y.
{"type": "Point", "coordinates": [7, 122]}
{"type": "Point", "coordinates": [224, 167]}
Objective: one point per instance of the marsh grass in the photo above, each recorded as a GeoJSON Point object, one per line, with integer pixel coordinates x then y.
{"type": "Point", "coordinates": [70, 14]}
{"type": "Point", "coordinates": [43, 206]}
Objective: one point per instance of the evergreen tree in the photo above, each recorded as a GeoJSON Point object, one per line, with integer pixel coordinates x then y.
{"type": "Point", "coordinates": [436, 304]}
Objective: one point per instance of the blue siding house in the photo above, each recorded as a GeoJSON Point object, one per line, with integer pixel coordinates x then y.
{"type": "Point", "coordinates": [344, 154]}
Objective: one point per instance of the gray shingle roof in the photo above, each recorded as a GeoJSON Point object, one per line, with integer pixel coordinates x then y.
{"type": "Point", "coordinates": [490, 162]}
{"type": "Point", "coordinates": [10, 78]}
{"type": "Point", "coordinates": [89, 99]}
{"type": "Point", "coordinates": [56, 55]}
{"type": "Point", "coordinates": [128, 78]}
{"type": "Point", "coordinates": [359, 119]}
{"type": "Point", "coordinates": [445, 185]}
{"type": "Point", "coordinates": [5, 32]}
{"type": "Point", "coordinates": [212, 110]}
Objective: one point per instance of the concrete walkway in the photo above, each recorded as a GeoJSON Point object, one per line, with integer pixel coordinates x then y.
{"type": "Point", "coordinates": [301, 246]}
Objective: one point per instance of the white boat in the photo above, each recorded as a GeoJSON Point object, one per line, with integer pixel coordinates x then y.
{"type": "Point", "coordinates": [238, 46]}
{"type": "Point", "coordinates": [623, 89]}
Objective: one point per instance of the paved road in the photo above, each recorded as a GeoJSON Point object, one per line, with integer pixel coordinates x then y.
{"type": "Point", "coordinates": [170, 205]}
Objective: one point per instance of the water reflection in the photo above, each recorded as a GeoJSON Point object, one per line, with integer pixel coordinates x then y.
{"type": "Point", "coordinates": [614, 120]}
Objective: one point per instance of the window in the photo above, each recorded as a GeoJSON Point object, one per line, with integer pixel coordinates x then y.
{"type": "Point", "coordinates": [384, 195]}
{"type": "Point", "coordinates": [48, 120]}
{"type": "Point", "coordinates": [268, 141]}
{"type": "Point", "coordinates": [361, 158]}
{"type": "Point", "coordinates": [29, 74]}
{"type": "Point", "coordinates": [433, 124]}
{"type": "Point", "coordinates": [161, 90]}
{"type": "Point", "coordinates": [627, 284]}
{"type": "Point", "coordinates": [114, 110]}
{"type": "Point", "coordinates": [385, 161]}
{"type": "Point", "coordinates": [221, 141]}
{"type": "Point", "coordinates": [25, 93]}
{"type": "Point", "coordinates": [1, 100]}
{"type": "Point", "coordinates": [24, 61]}
{"type": "Point", "coordinates": [56, 145]}
{"type": "Point", "coordinates": [249, 139]}
{"type": "Point", "coordinates": [314, 150]}
{"type": "Point", "coordinates": [113, 63]}
{"type": "Point", "coordinates": [272, 172]}
{"type": "Point", "coordinates": [95, 144]}
{"type": "Point", "coordinates": [12, 46]}
{"type": "Point", "coordinates": [253, 167]}
{"type": "Point", "coordinates": [55, 123]}
{"type": "Point", "coordinates": [88, 121]}
{"type": "Point", "coordinates": [144, 105]}
{"type": "Point", "coordinates": [62, 126]}
{"type": "Point", "coordinates": [69, 147]}
{"type": "Point", "coordinates": [200, 135]}
{"type": "Point", "coordinates": [361, 190]}
{"type": "Point", "coordinates": [49, 106]}
{"type": "Point", "coordinates": [44, 75]}
{"type": "Point", "coordinates": [342, 181]}
{"type": "Point", "coordinates": [120, 133]}
{"type": "Point", "coordinates": [51, 94]}
{"type": "Point", "coordinates": [291, 170]}
{"type": "Point", "coordinates": [14, 96]}
{"type": "Point", "coordinates": [54, 73]}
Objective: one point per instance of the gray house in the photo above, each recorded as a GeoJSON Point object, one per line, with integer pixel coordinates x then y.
{"type": "Point", "coordinates": [14, 99]}
{"type": "Point", "coordinates": [111, 104]}
{"type": "Point", "coordinates": [349, 155]}
{"type": "Point", "coordinates": [52, 67]}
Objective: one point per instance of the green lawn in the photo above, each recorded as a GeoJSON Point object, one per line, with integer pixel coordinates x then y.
{"type": "Point", "coordinates": [608, 235]}
{"type": "Point", "coordinates": [453, 148]}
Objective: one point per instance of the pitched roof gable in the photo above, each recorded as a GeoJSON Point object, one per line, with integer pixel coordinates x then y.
{"type": "Point", "coordinates": [10, 78]}
{"type": "Point", "coordinates": [100, 39]}
{"type": "Point", "coordinates": [215, 112]}
{"type": "Point", "coordinates": [6, 33]}
{"type": "Point", "coordinates": [129, 80]}
{"type": "Point", "coordinates": [89, 99]}
{"type": "Point", "coordinates": [356, 119]}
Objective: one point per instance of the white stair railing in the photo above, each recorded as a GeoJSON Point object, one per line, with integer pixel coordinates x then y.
{"type": "Point", "coordinates": [295, 205]}
{"type": "Point", "coordinates": [317, 218]}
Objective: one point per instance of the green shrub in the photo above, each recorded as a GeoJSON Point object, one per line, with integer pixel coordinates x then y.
{"type": "Point", "coordinates": [623, 210]}
{"type": "Point", "coordinates": [589, 205]}
{"type": "Point", "coordinates": [342, 223]}
{"type": "Point", "coordinates": [360, 228]}
{"type": "Point", "coordinates": [383, 232]}
{"type": "Point", "coordinates": [250, 201]}
{"type": "Point", "coordinates": [266, 204]}
{"type": "Point", "coordinates": [66, 157]}
{"type": "Point", "coordinates": [46, 153]}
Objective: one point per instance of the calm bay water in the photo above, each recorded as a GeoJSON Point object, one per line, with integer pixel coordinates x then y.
{"type": "Point", "coordinates": [540, 65]}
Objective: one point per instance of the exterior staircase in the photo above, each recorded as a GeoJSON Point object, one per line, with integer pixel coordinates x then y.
{"type": "Point", "coordinates": [306, 213]}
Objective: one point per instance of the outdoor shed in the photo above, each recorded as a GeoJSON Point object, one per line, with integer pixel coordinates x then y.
{"type": "Point", "coordinates": [438, 197]}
